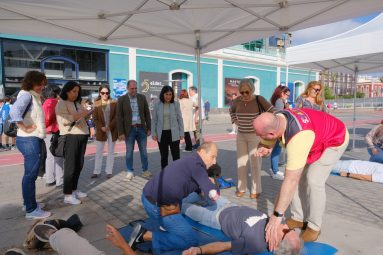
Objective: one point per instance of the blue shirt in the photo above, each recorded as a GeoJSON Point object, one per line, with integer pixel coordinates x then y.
{"type": "Point", "coordinates": [178, 180]}
{"type": "Point", "coordinates": [21, 104]}
{"type": "Point", "coordinates": [246, 228]}
{"type": "Point", "coordinates": [135, 111]}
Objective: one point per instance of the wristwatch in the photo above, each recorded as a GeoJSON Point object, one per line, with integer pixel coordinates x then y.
{"type": "Point", "coordinates": [277, 214]}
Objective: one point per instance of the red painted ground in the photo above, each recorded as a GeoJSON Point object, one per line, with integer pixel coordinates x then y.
{"type": "Point", "coordinates": [15, 157]}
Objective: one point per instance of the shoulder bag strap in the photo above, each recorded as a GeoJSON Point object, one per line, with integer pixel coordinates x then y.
{"type": "Point", "coordinates": [28, 106]}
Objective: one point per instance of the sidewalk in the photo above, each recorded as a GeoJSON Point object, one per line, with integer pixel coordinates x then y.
{"type": "Point", "coordinates": [353, 221]}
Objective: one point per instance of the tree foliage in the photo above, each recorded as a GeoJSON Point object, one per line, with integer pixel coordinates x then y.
{"type": "Point", "coordinates": [328, 93]}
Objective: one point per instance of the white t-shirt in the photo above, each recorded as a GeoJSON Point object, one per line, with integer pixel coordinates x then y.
{"type": "Point", "coordinates": [360, 167]}
{"type": "Point", "coordinates": [202, 105]}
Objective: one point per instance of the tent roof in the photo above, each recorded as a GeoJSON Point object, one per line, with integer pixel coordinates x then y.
{"type": "Point", "coordinates": [172, 25]}
{"type": "Point", "coordinates": [361, 47]}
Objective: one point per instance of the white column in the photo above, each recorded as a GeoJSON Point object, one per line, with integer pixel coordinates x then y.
{"type": "Point", "coordinates": [220, 85]}
{"type": "Point", "coordinates": [278, 76]}
{"type": "Point", "coordinates": [132, 64]}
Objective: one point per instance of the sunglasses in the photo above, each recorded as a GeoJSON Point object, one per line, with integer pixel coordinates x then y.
{"type": "Point", "coordinates": [104, 93]}
{"type": "Point", "coordinates": [316, 90]}
{"type": "Point", "coordinates": [246, 92]}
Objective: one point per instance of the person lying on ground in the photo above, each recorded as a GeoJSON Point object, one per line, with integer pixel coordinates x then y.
{"type": "Point", "coordinates": [65, 241]}
{"type": "Point", "coordinates": [245, 227]}
{"type": "Point", "coordinates": [360, 170]}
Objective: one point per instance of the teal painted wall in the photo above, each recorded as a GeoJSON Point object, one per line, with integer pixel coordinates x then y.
{"type": "Point", "coordinates": [161, 64]}
{"type": "Point", "coordinates": [267, 76]}
{"type": "Point", "coordinates": [118, 67]}
{"type": "Point", "coordinates": [166, 62]}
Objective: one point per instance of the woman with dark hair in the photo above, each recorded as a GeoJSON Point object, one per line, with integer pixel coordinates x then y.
{"type": "Point", "coordinates": [279, 100]}
{"type": "Point", "coordinates": [167, 125]}
{"type": "Point", "coordinates": [28, 114]}
{"type": "Point", "coordinates": [104, 118]}
{"type": "Point", "coordinates": [53, 165]}
{"type": "Point", "coordinates": [186, 105]}
{"type": "Point", "coordinates": [71, 119]}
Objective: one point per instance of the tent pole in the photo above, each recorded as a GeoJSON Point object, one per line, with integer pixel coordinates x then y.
{"type": "Point", "coordinates": [198, 57]}
{"type": "Point", "coordinates": [354, 113]}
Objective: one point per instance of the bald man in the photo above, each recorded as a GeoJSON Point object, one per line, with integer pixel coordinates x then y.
{"type": "Point", "coordinates": [314, 142]}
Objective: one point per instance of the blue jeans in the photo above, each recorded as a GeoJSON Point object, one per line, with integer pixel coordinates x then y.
{"type": "Point", "coordinates": [136, 134]}
{"type": "Point", "coordinates": [275, 157]}
{"type": "Point", "coordinates": [378, 157]}
{"type": "Point", "coordinates": [179, 234]}
{"type": "Point", "coordinates": [205, 215]}
{"type": "Point", "coordinates": [30, 147]}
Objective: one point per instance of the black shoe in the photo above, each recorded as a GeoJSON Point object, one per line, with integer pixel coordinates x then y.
{"type": "Point", "coordinates": [137, 236]}
{"type": "Point", "coordinates": [14, 251]}
{"type": "Point", "coordinates": [44, 231]}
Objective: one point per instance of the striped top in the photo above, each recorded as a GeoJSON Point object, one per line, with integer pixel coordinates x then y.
{"type": "Point", "coordinates": [244, 112]}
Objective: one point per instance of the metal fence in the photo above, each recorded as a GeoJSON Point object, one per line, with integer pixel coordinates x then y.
{"type": "Point", "coordinates": [372, 103]}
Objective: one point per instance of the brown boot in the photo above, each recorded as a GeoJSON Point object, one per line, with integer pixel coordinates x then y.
{"type": "Point", "coordinates": [310, 235]}
{"type": "Point", "coordinates": [291, 223]}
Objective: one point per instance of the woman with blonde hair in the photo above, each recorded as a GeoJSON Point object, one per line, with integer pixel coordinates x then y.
{"type": "Point", "coordinates": [104, 118]}
{"type": "Point", "coordinates": [312, 97]}
{"type": "Point", "coordinates": [243, 111]}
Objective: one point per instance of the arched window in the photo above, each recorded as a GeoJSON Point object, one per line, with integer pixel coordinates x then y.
{"type": "Point", "coordinates": [257, 84]}
{"type": "Point", "coordinates": [180, 79]}
{"type": "Point", "coordinates": [299, 87]}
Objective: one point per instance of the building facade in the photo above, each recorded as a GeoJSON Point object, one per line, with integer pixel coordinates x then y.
{"type": "Point", "coordinates": [93, 65]}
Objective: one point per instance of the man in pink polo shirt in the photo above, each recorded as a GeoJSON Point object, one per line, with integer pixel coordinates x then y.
{"type": "Point", "coordinates": [314, 142]}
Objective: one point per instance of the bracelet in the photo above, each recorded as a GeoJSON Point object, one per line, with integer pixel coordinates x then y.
{"type": "Point", "coordinates": [200, 250]}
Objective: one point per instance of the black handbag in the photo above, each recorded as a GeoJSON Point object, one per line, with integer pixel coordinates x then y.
{"type": "Point", "coordinates": [57, 147]}
{"type": "Point", "coordinates": [10, 128]}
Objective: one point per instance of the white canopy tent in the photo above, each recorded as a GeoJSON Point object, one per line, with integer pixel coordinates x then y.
{"type": "Point", "coordinates": [185, 26]}
{"type": "Point", "coordinates": [359, 50]}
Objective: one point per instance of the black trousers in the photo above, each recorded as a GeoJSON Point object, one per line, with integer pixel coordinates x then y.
{"type": "Point", "coordinates": [188, 141]}
{"type": "Point", "coordinates": [75, 147]}
{"type": "Point", "coordinates": [163, 145]}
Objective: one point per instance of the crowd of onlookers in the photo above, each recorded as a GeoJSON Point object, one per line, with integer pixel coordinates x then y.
{"type": "Point", "coordinates": [55, 125]}
{"type": "Point", "coordinates": [6, 143]}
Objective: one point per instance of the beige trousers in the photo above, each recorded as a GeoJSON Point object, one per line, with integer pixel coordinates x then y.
{"type": "Point", "coordinates": [67, 242]}
{"type": "Point", "coordinates": [309, 200]}
{"type": "Point", "coordinates": [247, 144]}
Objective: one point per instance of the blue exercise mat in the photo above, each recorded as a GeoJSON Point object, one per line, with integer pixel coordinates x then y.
{"type": "Point", "coordinates": [208, 235]}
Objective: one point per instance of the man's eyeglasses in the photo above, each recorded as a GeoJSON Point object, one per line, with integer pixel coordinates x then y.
{"type": "Point", "coordinates": [316, 90]}
{"type": "Point", "coordinates": [246, 92]}
{"type": "Point", "coordinates": [104, 93]}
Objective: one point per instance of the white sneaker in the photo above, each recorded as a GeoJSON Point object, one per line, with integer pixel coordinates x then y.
{"type": "Point", "coordinates": [78, 194]}
{"type": "Point", "coordinates": [70, 199]}
{"type": "Point", "coordinates": [129, 176]}
{"type": "Point", "coordinates": [278, 176]}
{"type": "Point", "coordinates": [232, 133]}
{"type": "Point", "coordinates": [37, 214]}
{"type": "Point", "coordinates": [39, 205]}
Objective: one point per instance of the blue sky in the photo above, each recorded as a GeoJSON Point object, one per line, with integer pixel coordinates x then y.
{"type": "Point", "coordinates": [321, 32]}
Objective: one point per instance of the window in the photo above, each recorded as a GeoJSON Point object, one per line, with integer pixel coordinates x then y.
{"type": "Point", "coordinates": [22, 56]}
